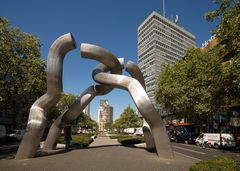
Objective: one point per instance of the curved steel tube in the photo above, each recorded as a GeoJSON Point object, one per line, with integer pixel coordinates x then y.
{"type": "Point", "coordinates": [144, 106]}
{"type": "Point", "coordinates": [136, 73]}
{"type": "Point", "coordinates": [37, 115]}
{"type": "Point", "coordinates": [115, 66]}
{"type": "Point", "coordinates": [107, 58]}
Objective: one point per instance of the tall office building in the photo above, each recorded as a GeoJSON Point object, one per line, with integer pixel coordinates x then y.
{"type": "Point", "coordinates": [105, 114]}
{"type": "Point", "coordinates": [160, 41]}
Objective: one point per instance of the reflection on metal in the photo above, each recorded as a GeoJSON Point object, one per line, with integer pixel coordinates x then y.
{"type": "Point", "coordinates": [150, 144]}
{"type": "Point", "coordinates": [37, 115]}
{"type": "Point", "coordinates": [142, 102]}
{"type": "Point", "coordinates": [136, 73]}
{"type": "Point", "coordinates": [135, 86]}
{"type": "Point", "coordinates": [113, 64]}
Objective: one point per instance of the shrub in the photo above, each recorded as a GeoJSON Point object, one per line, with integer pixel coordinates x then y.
{"type": "Point", "coordinates": [217, 164]}
{"type": "Point", "coordinates": [119, 136]}
{"type": "Point", "coordinates": [82, 140]}
{"type": "Point", "coordinates": [131, 140]}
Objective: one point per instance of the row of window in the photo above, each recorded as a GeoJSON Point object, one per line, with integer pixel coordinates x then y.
{"type": "Point", "coordinates": [170, 48]}
{"type": "Point", "coordinates": [148, 34]}
{"type": "Point", "coordinates": [170, 53]}
{"type": "Point", "coordinates": [178, 43]}
{"type": "Point", "coordinates": [145, 57]}
{"type": "Point", "coordinates": [147, 62]}
{"type": "Point", "coordinates": [164, 59]}
{"type": "Point", "coordinates": [172, 38]}
{"type": "Point", "coordinates": [145, 26]}
{"type": "Point", "coordinates": [155, 19]}
{"type": "Point", "coordinates": [172, 27]}
{"type": "Point", "coordinates": [141, 54]}
{"type": "Point", "coordinates": [145, 46]}
{"type": "Point", "coordinates": [167, 38]}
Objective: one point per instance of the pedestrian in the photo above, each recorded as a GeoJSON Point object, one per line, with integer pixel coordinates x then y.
{"type": "Point", "coordinates": [67, 136]}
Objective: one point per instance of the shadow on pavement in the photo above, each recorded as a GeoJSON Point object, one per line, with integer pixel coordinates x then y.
{"type": "Point", "coordinates": [153, 150]}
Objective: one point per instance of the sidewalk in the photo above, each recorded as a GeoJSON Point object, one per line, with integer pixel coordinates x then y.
{"type": "Point", "coordinates": [104, 154]}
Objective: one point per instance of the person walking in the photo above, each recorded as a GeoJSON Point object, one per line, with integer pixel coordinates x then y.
{"type": "Point", "coordinates": [67, 136]}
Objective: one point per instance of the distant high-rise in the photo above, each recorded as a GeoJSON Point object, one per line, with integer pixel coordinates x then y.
{"type": "Point", "coordinates": [160, 41]}
{"type": "Point", "coordinates": [105, 114]}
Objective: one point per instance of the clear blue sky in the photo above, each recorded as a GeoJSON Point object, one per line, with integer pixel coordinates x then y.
{"type": "Point", "coordinates": [111, 24]}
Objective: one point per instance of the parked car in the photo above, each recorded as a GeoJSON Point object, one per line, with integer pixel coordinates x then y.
{"type": "Point", "coordinates": [16, 135]}
{"type": "Point", "coordinates": [216, 140]}
{"type": "Point", "coordinates": [172, 136]}
{"type": "Point", "coordinates": [187, 138]}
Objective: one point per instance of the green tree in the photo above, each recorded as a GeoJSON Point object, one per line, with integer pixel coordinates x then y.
{"type": "Point", "coordinates": [128, 119]}
{"type": "Point", "coordinates": [22, 72]}
{"type": "Point", "coordinates": [192, 85]}
{"type": "Point", "coordinates": [85, 122]}
{"type": "Point", "coordinates": [109, 126]}
{"type": "Point", "coordinates": [228, 29]}
{"type": "Point", "coordinates": [231, 83]}
{"type": "Point", "coordinates": [62, 106]}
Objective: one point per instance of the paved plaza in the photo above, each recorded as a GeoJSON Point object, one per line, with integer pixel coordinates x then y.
{"type": "Point", "coordinates": [103, 154]}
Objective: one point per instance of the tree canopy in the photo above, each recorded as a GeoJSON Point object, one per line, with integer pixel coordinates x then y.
{"type": "Point", "coordinates": [63, 105]}
{"type": "Point", "coordinates": [201, 83]}
{"type": "Point", "coordinates": [83, 121]}
{"type": "Point", "coordinates": [22, 72]}
{"type": "Point", "coordinates": [228, 29]}
{"type": "Point", "coordinates": [128, 119]}
{"type": "Point", "coordinates": [192, 85]}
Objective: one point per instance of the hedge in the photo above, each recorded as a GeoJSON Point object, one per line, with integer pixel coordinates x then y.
{"type": "Point", "coordinates": [82, 140]}
{"type": "Point", "coordinates": [131, 140]}
{"type": "Point", "coordinates": [119, 136]}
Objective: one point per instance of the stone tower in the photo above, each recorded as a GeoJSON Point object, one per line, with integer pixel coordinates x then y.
{"type": "Point", "coordinates": [105, 114]}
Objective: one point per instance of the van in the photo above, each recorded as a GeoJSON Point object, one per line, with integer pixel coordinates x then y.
{"type": "Point", "coordinates": [138, 131]}
{"type": "Point", "coordinates": [216, 140]}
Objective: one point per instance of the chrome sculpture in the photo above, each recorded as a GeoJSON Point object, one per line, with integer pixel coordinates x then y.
{"type": "Point", "coordinates": [155, 135]}
{"type": "Point", "coordinates": [136, 73]}
{"type": "Point", "coordinates": [37, 115]}
{"type": "Point", "coordinates": [140, 98]}
{"type": "Point", "coordinates": [111, 63]}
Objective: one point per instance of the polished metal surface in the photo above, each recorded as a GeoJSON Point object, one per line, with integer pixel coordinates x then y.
{"type": "Point", "coordinates": [112, 64]}
{"type": "Point", "coordinates": [37, 115]}
{"type": "Point", "coordinates": [136, 73]}
{"type": "Point", "coordinates": [144, 105]}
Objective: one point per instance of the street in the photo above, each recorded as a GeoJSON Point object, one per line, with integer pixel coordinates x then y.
{"type": "Point", "coordinates": [199, 153]}
{"type": "Point", "coordinates": [105, 153]}
{"type": "Point", "coordinates": [187, 150]}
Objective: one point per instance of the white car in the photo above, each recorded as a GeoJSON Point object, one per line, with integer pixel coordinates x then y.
{"type": "Point", "coordinates": [216, 140]}
{"type": "Point", "coordinates": [16, 134]}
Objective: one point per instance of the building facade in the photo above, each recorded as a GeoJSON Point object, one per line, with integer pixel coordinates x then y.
{"type": "Point", "coordinates": [105, 114]}
{"type": "Point", "coordinates": [160, 41]}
